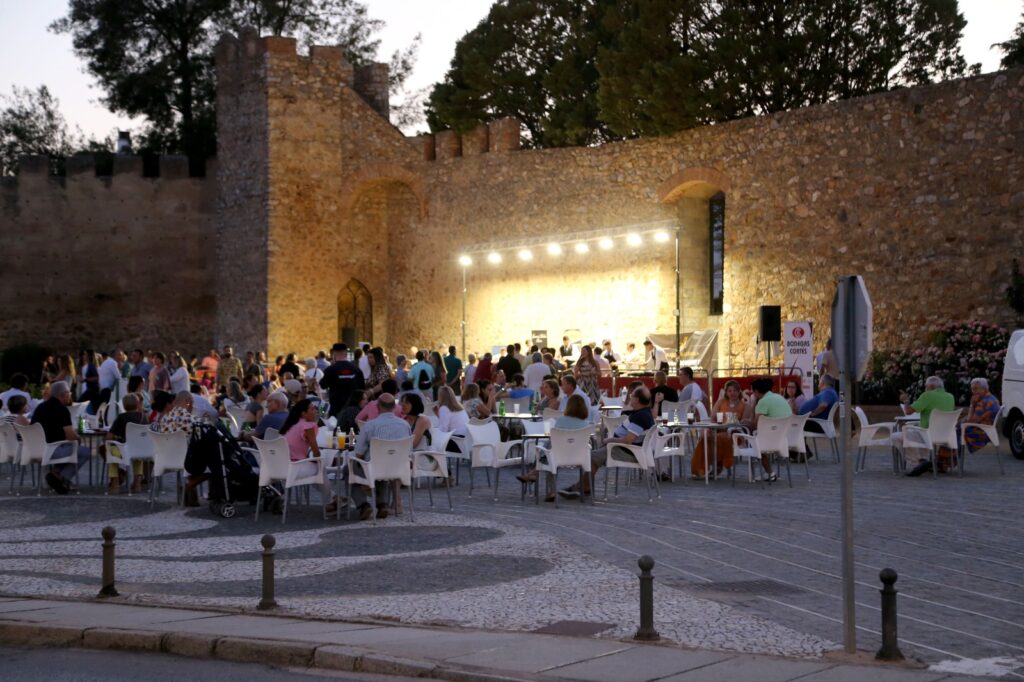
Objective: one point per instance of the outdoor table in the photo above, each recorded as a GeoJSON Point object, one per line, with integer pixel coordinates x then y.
{"type": "Point", "coordinates": [900, 422]}
{"type": "Point", "coordinates": [89, 436]}
{"type": "Point", "coordinates": [705, 428]}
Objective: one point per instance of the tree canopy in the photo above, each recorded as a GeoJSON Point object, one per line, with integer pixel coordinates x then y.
{"type": "Point", "coordinates": [1013, 49]}
{"type": "Point", "coordinates": [643, 67]}
{"type": "Point", "coordinates": [31, 123]}
{"type": "Point", "coordinates": [154, 58]}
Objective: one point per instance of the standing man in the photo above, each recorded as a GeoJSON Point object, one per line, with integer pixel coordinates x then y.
{"type": "Point", "coordinates": [422, 374]}
{"type": "Point", "coordinates": [110, 376]}
{"type": "Point", "coordinates": [509, 364]}
{"type": "Point", "coordinates": [364, 362]}
{"type": "Point", "coordinates": [54, 415]}
{"type": "Point", "coordinates": [140, 368]}
{"type": "Point", "coordinates": [341, 378]}
{"type": "Point", "coordinates": [566, 351]}
{"type": "Point", "coordinates": [655, 357]}
{"type": "Point", "coordinates": [453, 370]}
{"type": "Point", "coordinates": [229, 366]}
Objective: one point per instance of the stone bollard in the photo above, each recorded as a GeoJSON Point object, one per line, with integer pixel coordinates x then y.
{"type": "Point", "coordinates": [646, 632]}
{"type": "Point", "coordinates": [108, 589]}
{"type": "Point", "coordinates": [890, 650]}
{"type": "Point", "coordinates": [267, 601]}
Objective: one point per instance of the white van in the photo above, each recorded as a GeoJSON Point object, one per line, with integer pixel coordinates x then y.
{"type": "Point", "coordinates": [1013, 393]}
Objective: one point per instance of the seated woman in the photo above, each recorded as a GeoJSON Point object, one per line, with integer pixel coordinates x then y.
{"type": "Point", "coordinates": [983, 410]}
{"type": "Point", "coordinates": [299, 430]}
{"type": "Point", "coordinates": [576, 416]}
{"type": "Point", "coordinates": [794, 395]}
{"type": "Point", "coordinates": [370, 410]}
{"type": "Point", "coordinates": [347, 416]}
{"type": "Point", "coordinates": [451, 416]}
{"type": "Point", "coordinates": [548, 396]}
{"type": "Point", "coordinates": [478, 400]}
{"type": "Point", "coordinates": [175, 415]}
{"type": "Point", "coordinates": [732, 402]}
{"type": "Point", "coordinates": [254, 409]}
{"type": "Point", "coordinates": [412, 412]}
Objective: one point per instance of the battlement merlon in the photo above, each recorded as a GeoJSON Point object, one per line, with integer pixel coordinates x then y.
{"type": "Point", "coordinates": [82, 167]}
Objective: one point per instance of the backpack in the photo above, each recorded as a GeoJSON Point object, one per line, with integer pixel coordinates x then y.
{"type": "Point", "coordinates": [424, 381]}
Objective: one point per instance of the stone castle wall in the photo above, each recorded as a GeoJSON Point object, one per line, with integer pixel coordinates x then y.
{"type": "Point", "coordinates": [95, 262]}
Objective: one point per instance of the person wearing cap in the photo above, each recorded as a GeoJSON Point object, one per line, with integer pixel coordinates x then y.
{"type": "Point", "coordinates": [341, 378]}
{"type": "Point", "coordinates": [295, 390]}
{"type": "Point", "coordinates": [388, 426]}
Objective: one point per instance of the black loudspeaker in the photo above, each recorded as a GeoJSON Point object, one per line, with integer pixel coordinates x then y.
{"type": "Point", "coordinates": [348, 336]}
{"type": "Point", "coordinates": [771, 323]}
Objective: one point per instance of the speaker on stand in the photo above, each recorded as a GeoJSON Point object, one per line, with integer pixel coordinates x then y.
{"type": "Point", "coordinates": [770, 328]}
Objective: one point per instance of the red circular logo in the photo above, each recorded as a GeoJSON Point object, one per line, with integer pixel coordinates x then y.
{"type": "Point", "coordinates": [798, 332]}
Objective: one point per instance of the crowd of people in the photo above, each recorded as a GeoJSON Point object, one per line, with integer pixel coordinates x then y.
{"type": "Point", "coordinates": [366, 394]}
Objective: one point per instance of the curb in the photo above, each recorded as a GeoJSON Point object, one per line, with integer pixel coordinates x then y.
{"type": "Point", "coordinates": [246, 650]}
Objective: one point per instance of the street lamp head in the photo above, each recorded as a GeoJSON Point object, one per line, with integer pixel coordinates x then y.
{"type": "Point", "coordinates": [465, 261]}
{"type": "Point", "coordinates": [494, 258]}
{"type": "Point", "coordinates": [525, 255]}
{"type": "Point", "coordinates": [661, 237]}
{"type": "Point", "coordinates": [554, 249]}
{"type": "Point", "coordinates": [581, 247]}
{"type": "Point", "coordinates": [606, 244]}
{"type": "Point", "coordinates": [633, 239]}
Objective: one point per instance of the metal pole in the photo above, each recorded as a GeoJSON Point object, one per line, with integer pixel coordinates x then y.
{"type": "Point", "coordinates": [108, 589]}
{"type": "Point", "coordinates": [464, 353]}
{"type": "Point", "coordinates": [267, 601]}
{"type": "Point", "coordinates": [890, 650]}
{"type": "Point", "coordinates": [646, 632]}
{"type": "Point", "coordinates": [846, 374]}
{"type": "Point", "coordinates": [679, 308]}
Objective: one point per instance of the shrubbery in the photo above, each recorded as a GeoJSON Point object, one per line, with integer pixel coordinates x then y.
{"type": "Point", "coordinates": [956, 353]}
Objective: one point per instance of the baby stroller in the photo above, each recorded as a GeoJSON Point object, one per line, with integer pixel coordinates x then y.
{"type": "Point", "coordinates": [232, 477]}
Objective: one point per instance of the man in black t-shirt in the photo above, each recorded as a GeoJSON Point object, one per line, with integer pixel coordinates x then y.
{"type": "Point", "coordinates": [341, 378]}
{"type": "Point", "coordinates": [662, 391]}
{"type": "Point", "coordinates": [509, 364]}
{"type": "Point", "coordinates": [55, 418]}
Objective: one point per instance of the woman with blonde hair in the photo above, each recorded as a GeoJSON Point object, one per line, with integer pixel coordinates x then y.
{"type": "Point", "coordinates": [180, 379]}
{"type": "Point", "coordinates": [586, 372]}
{"type": "Point", "coordinates": [451, 416]}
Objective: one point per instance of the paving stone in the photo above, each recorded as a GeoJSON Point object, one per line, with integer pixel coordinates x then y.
{"type": "Point", "coordinates": [188, 644]}
{"type": "Point", "coordinates": [266, 652]}
{"type": "Point", "coordinates": [749, 669]}
{"type": "Point", "coordinates": [515, 658]}
{"type": "Point", "coordinates": [637, 664]}
{"type": "Point", "coordinates": [122, 639]}
{"type": "Point", "coordinates": [845, 673]}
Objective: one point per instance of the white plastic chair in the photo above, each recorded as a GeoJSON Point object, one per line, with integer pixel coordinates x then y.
{"type": "Point", "coordinates": [639, 458]}
{"type": "Point", "coordinates": [798, 443]}
{"type": "Point", "coordinates": [76, 410]}
{"type": "Point", "coordinates": [517, 405]}
{"type": "Point", "coordinates": [390, 460]}
{"type": "Point", "coordinates": [432, 463]}
{"type": "Point", "coordinates": [35, 449]}
{"type": "Point", "coordinates": [276, 466]}
{"type": "Point", "coordinates": [941, 432]}
{"type": "Point", "coordinates": [612, 402]}
{"type": "Point", "coordinates": [490, 452]}
{"type": "Point", "coordinates": [238, 417]}
{"type": "Point", "coordinates": [169, 450]}
{"type": "Point", "coordinates": [551, 413]}
{"type": "Point", "coordinates": [701, 410]}
{"type": "Point", "coordinates": [990, 430]}
{"type": "Point", "coordinates": [670, 409]}
{"type": "Point", "coordinates": [872, 435]}
{"type": "Point", "coordinates": [670, 445]}
{"type": "Point", "coordinates": [771, 438]}
{"type": "Point", "coordinates": [110, 411]}
{"type": "Point", "coordinates": [137, 446]}
{"type": "Point", "coordinates": [10, 449]}
{"type": "Point", "coordinates": [570, 448]}
{"type": "Point", "coordinates": [828, 428]}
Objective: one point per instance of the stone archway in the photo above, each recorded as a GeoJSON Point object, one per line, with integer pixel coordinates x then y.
{"type": "Point", "coordinates": [355, 312]}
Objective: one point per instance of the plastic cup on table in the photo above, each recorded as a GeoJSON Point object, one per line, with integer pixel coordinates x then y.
{"type": "Point", "coordinates": [720, 416]}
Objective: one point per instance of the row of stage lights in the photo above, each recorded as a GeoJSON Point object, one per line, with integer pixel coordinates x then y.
{"type": "Point", "coordinates": [554, 249]}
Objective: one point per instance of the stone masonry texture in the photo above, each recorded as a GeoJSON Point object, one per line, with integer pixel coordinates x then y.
{"type": "Point", "coordinates": [919, 190]}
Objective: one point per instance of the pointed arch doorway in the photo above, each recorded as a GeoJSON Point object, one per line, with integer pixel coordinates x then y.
{"type": "Point", "coordinates": [355, 313]}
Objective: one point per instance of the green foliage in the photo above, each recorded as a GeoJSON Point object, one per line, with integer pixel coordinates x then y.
{"type": "Point", "coordinates": [1013, 49]}
{"type": "Point", "coordinates": [1015, 290]}
{"type": "Point", "coordinates": [666, 65]}
{"type": "Point", "coordinates": [532, 59]}
{"type": "Point", "coordinates": [956, 353]}
{"type": "Point", "coordinates": [31, 123]}
{"type": "Point", "coordinates": [26, 358]}
{"type": "Point", "coordinates": [154, 58]}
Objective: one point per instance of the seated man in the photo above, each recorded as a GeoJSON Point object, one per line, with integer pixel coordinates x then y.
{"type": "Point", "coordinates": [387, 426]}
{"type": "Point", "coordinates": [819, 406]}
{"type": "Point", "coordinates": [518, 389]}
{"type": "Point", "coordinates": [935, 397]}
{"type": "Point", "coordinates": [54, 415]}
{"type": "Point", "coordinates": [568, 385]}
{"type": "Point", "coordinates": [133, 414]}
{"type": "Point", "coordinates": [629, 432]}
{"type": "Point", "coordinates": [273, 417]}
{"type": "Point", "coordinates": [19, 386]}
{"type": "Point", "coordinates": [690, 389]}
{"type": "Point", "coordinates": [662, 392]}
{"type": "Point", "coordinates": [772, 405]}
{"type": "Point", "coordinates": [202, 409]}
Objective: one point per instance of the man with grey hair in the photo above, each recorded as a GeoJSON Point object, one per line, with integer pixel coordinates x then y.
{"type": "Point", "coordinates": [55, 417]}
{"type": "Point", "coordinates": [820, 405]}
{"type": "Point", "coordinates": [935, 397]}
{"type": "Point", "coordinates": [386, 426]}
{"type": "Point", "coordinates": [273, 417]}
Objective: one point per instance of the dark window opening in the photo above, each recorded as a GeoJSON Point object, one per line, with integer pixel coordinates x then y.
{"type": "Point", "coordinates": [716, 250]}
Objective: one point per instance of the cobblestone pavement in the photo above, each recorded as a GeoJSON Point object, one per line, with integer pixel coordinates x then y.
{"type": "Point", "coordinates": [741, 569]}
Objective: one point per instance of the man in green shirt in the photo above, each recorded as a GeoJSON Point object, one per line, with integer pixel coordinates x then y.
{"type": "Point", "coordinates": [774, 406]}
{"type": "Point", "coordinates": [935, 397]}
{"type": "Point", "coordinates": [453, 370]}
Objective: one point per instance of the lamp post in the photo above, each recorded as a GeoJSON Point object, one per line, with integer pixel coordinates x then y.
{"type": "Point", "coordinates": [679, 308]}
{"type": "Point", "coordinates": [465, 262]}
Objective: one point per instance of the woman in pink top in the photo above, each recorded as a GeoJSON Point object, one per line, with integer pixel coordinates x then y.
{"type": "Point", "coordinates": [299, 430]}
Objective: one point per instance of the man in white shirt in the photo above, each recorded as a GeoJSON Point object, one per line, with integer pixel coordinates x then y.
{"type": "Point", "coordinates": [632, 358]}
{"type": "Point", "coordinates": [655, 356]}
{"type": "Point", "coordinates": [690, 389]}
{"type": "Point", "coordinates": [534, 374]}
{"type": "Point", "coordinates": [364, 362]}
{"type": "Point", "coordinates": [569, 387]}
{"type": "Point", "coordinates": [19, 382]}
{"type": "Point", "coordinates": [604, 367]}
{"type": "Point", "coordinates": [110, 375]}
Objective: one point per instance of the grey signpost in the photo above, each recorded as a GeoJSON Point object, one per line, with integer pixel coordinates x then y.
{"type": "Point", "coordinates": [851, 343]}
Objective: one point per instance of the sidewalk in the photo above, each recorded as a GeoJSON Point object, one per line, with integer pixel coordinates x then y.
{"type": "Point", "coordinates": [448, 654]}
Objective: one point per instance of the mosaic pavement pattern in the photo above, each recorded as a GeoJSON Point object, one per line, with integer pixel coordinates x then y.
{"type": "Point", "coordinates": [444, 569]}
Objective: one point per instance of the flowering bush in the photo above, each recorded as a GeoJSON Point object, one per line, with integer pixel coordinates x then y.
{"type": "Point", "coordinates": [956, 353]}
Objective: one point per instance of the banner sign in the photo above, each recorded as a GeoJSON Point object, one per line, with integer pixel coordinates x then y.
{"type": "Point", "coordinates": [799, 349]}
